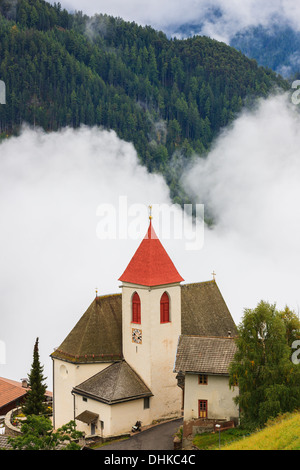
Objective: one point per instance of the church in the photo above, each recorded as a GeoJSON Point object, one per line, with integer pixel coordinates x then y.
{"type": "Point", "coordinates": [117, 365]}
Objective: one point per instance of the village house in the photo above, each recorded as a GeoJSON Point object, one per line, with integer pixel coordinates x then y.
{"type": "Point", "coordinates": [13, 394]}
{"type": "Point", "coordinates": [202, 367]}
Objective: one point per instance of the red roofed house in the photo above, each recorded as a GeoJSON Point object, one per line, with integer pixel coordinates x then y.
{"type": "Point", "coordinates": [117, 364]}
{"type": "Point", "coordinates": [12, 394]}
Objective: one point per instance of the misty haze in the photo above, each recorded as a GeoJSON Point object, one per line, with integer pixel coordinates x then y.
{"type": "Point", "coordinates": [52, 184]}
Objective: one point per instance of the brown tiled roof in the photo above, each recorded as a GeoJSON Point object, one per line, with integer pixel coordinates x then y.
{"type": "Point", "coordinates": [97, 336]}
{"type": "Point", "coordinates": [115, 384]}
{"type": "Point", "coordinates": [11, 390]}
{"type": "Point", "coordinates": [204, 355]}
{"type": "Point", "coordinates": [204, 311]}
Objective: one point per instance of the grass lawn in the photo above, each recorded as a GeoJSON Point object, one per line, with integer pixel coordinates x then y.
{"type": "Point", "coordinates": [282, 434]}
{"type": "Point", "coordinates": [210, 441]}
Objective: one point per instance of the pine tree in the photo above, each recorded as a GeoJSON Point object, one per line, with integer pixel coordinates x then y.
{"type": "Point", "coordinates": [35, 397]}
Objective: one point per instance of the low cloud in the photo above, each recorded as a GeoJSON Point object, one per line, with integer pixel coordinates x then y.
{"type": "Point", "coordinates": [220, 19]}
{"type": "Point", "coordinates": [53, 259]}
{"type": "Point", "coordinates": [250, 182]}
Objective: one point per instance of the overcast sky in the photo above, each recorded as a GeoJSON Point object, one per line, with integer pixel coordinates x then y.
{"type": "Point", "coordinates": [236, 14]}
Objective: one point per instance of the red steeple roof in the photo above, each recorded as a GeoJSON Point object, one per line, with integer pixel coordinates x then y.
{"type": "Point", "coordinates": [151, 264]}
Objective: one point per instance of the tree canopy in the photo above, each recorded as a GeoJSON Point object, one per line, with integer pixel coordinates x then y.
{"type": "Point", "coordinates": [269, 382]}
{"type": "Point", "coordinates": [38, 434]}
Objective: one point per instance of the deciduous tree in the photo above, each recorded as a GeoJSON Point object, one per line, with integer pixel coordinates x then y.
{"type": "Point", "coordinates": [38, 434]}
{"type": "Point", "coordinates": [269, 383]}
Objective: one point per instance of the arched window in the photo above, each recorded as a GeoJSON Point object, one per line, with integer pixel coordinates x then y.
{"type": "Point", "coordinates": [164, 308]}
{"type": "Point", "coordinates": [136, 308]}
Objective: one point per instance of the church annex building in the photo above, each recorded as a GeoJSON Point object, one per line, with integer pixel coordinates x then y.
{"type": "Point", "coordinates": [121, 361]}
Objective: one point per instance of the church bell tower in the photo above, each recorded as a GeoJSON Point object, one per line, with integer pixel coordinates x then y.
{"type": "Point", "coordinates": [151, 321]}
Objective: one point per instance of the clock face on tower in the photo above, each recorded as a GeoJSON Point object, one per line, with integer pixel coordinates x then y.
{"type": "Point", "coordinates": [136, 336]}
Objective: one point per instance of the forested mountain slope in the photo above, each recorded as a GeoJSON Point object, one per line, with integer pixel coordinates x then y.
{"type": "Point", "coordinates": [163, 95]}
{"type": "Point", "coordinates": [277, 47]}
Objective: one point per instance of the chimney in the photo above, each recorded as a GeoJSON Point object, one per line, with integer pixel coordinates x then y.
{"type": "Point", "coordinates": [24, 383]}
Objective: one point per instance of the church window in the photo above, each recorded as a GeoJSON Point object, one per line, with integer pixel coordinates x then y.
{"type": "Point", "coordinates": [136, 308]}
{"type": "Point", "coordinates": [202, 406]}
{"type": "Point", "coordinates": [202, 379]}
{"type": "Point", "coordinates": [164, 308]}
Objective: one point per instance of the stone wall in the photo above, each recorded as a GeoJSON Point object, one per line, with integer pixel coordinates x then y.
{"type": "Point", "coordinates": [200, 425]}
{"type": "Point", "coordinates": [10, 429]}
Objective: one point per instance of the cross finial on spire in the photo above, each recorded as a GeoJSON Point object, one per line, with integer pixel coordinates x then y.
{"type": "Point", "coordinates": [213, 275]}
{"type": "Point", "coordinates": [150, 212]}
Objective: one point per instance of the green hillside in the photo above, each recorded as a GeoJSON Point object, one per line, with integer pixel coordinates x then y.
{"type": "Point", "coordinates": [168, 97]}
{"type": "Point", "coordinates": [282, 434]}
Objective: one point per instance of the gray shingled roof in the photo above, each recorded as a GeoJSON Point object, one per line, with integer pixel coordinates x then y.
{"type": "Point", "coordinates": [97, 337]}
{"type": "Point", "coordinates": [115, 384]}
{"type": "Point", "coordinates": [204, 311]}
{"type": "Point", "coordinates": [204, 355]}
{"type": "Point", "coordinates": [87, 417]}
{"type": "Point", "coordinates": [4, 445]}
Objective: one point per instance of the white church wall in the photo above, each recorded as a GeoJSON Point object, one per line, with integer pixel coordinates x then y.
{"type": "Point", "coordinates": [167, 395]}
{"type": "Point", "coordinates": [125, 415]}
{"type": "Point", "coordinates": [67, 375]}
{"type": "Point", "coordinates": [103, 424]}
{"type": "Point", "coordinates": [114, 419]}
{"type": "Point", "coordinates": [153, 359]}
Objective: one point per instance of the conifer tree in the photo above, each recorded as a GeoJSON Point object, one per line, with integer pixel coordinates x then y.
{"type": "Point", "coordinates": [35, 397]}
